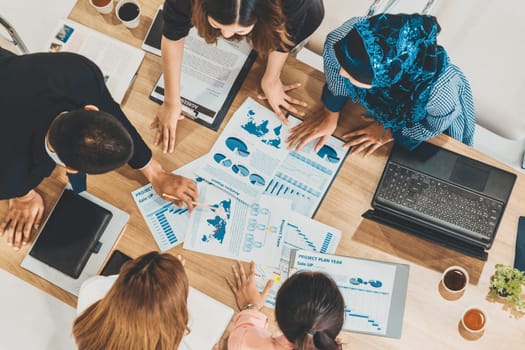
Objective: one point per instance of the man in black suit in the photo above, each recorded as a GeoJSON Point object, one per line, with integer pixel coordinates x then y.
{"type": "Point", "coordinates": [55, 109]}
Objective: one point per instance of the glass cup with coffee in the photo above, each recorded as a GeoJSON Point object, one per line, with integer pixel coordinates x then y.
{"type": "Point", "coordinates": [102, 6]}
{"type": "Point", "coordinates": [455, 279]}
{"type": "Point", "coordinates": [474, 319]}
{"type": "Point", "coordinates": [128, 12]}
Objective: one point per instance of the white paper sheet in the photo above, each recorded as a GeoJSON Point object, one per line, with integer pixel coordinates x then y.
{"type": "Point", "coordinates": [301, 232]}
{"type": "Point", "coordinates": [251, 157]}
{"type": "Point", "coordinates": [208, 74]}
{"type": "Point", "coordinates": [305, 176]}
{"type": "Point", "coordinates": [366, 286]}
{"type": "Point", "coordinates": [236, 230]}
{"type": "Point", "coordinates": [167, 222]}
{"type": "Point", "coordinates": [117, 60]}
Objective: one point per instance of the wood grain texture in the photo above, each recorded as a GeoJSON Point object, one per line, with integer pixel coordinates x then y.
{"type": "Point", "coordinates": [431, 319]}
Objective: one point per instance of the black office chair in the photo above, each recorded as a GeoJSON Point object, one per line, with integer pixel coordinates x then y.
{"type": "Point", "coordinates": [14, 43]}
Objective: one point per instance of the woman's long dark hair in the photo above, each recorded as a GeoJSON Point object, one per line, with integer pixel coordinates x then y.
{"type": "Point", "coordinates": [309, 310]}
{"type": "Point", "coordinates": [268, 34]}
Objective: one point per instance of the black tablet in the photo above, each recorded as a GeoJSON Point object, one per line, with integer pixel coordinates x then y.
{"type": "Point", "coordinates": [71, 233]}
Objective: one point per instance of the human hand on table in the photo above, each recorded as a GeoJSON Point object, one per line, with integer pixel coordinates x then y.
{"type": "Point", "coordinates": [244, 289]}
{"type": "Point", "coordinates": [23, 214]}
{"type": "Point", "coordinates": [321, 127]}
{"type": "Point", "coordinates": [168, 115]}
{"type": "Point", "coordinates": [368, 139]}
{"type": "Point", "coordinates": [182, 188]}
{"type": "Point", "coordinates": [276, 93]}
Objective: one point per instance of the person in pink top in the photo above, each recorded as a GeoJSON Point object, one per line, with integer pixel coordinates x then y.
{"type": "Point", "coordinates": [309, 310]}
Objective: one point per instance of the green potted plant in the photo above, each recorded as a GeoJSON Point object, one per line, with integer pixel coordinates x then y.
{"type": "Point", "coordinates": [507, 283]}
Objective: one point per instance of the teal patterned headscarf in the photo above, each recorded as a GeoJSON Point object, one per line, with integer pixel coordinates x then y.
{"type": "Point", "coordinates": [405, 61]}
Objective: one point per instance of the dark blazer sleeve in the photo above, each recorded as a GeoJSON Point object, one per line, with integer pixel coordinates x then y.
{"type": "Point", "coordinates": [177, 18]}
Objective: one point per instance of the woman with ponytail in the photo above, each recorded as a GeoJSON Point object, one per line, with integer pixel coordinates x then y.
{"type": "Point", "coordinates": [309, 310]}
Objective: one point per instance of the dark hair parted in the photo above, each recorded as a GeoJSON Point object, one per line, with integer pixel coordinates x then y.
{"type": "Point", "coordinates": [145, 309]}
{"type": "Point", "coordinates": [269, 31]}
{"type": "Point", "coordinates": [89, 141]}
{"type": "Point", "coordinates": [309, 310]}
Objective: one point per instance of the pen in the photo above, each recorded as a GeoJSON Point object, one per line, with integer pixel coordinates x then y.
{"type": "Point", "coordinates": [198, 204]}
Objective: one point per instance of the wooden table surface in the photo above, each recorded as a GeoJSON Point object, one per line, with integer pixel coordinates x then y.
{"type": "Point", "coordinates": [431, 318]}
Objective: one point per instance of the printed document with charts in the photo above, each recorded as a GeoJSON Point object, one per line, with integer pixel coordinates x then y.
{"type": "Point", "coordinates": [251, 157]}
{"type": "Point", "coordinates": [374, 291]}
{"type": "Point", "coordinates": [117, 60]}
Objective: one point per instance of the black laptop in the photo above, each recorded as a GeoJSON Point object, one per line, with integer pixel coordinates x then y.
{"type": "Point", "coordinates": [442, 196]}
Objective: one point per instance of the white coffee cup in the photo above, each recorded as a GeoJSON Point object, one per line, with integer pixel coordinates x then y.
{"type": "Point", "coordinates": [455, 279]}
{"type": "Point", "coordinates": [474, 319]}
{"type": "Point", "coordinates": [128, 12]}
{"type": "Point", "coordinates": [102, 6]}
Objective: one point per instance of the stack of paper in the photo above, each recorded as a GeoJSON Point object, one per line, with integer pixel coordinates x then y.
{"type": "Point", "coordinates": [117, 60]}
{"type": "Point", "coordinates": [262, 197]}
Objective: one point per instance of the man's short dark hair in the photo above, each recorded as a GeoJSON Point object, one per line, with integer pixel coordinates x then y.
{"type": "Point", "coordinates": [93, 142]}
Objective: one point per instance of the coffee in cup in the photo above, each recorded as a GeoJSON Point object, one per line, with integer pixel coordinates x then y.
{"type": "Point", "coordinates": [474, 319]}
{"type": "Point", "coordinates": [102, 6]}
{"type": "Point", "coordinates": [455, 279]}
{"type": "Point", "coordinates": [128, 12]}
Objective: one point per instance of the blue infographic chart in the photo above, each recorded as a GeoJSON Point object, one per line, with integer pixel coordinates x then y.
{"type": "Point", "coordinates": [301, 232]}
{"type": "Point", "coordinates": [167, 222]}
{"type": "Point", "coordinates": [219, 223]}
{"type": "Point", "coordinates": [247, 153]}
{"type": "Point", "coordinates": [251, 157]}
{"type": "Point", "coordinates": [260, 129]}
{"type": "Point", "coordinates": [305, 176]}
{"type": "Point", "coordinates": [366, 285]}
{"type": "Point", "coordinates": [236, 230]}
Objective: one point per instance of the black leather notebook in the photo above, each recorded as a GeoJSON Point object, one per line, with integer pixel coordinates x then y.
{"type": "Point", "coordinates": [71, 233]}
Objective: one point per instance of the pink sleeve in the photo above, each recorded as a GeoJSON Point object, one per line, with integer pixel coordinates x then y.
{"type": "Point", "coordinates": [250, 332]}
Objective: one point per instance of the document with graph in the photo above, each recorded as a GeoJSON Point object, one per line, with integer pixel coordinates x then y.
{"type": "Point", "coordinates": [250, 158]}
{"type": "Point", "coordinates": [374, 291]}
{"type": "Point", "coordinates": [167, 222]}
{"type": "Point", "coordinates": [300, 232]}
{"type": "Point", "coordinates": [233, 229]}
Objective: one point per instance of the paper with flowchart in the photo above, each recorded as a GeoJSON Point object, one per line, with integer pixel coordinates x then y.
{"type": "Point", "coordinates": [250, 157]}
{"type": "Point", "coordinates": [374, 291]}
{"type": "Point", "coordinates": [300, 232]}
{"type": "Point", "coordinates": [167, 222]}
{"type": "Point", "coordinates": [235, 230]}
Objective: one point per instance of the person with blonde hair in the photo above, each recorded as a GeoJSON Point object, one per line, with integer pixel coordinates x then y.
{"type": "Point", "coordinates": [142, 308]}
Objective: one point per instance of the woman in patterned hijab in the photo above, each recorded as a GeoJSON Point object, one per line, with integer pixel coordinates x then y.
{"type": "Point", "coordinates": [391, 65]}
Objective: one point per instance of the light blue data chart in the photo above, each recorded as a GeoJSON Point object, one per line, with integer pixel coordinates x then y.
{"type": "Point", "coordinates": [270, 135]}
{"type": "Point", "coordinates": [374, 325]}
{"type": "Point", "coordinates": [218, 222]}
{"type": "Point", "coordinates": [329, 154]}
{"type": "Point", "coordinates": [325, 245]}
{"type": "Point", "coordinates": [239, 169]}
{"type": "Point", "coordinates": [238, 146]}
{"type": "Point", "coordinates": [161, 222]}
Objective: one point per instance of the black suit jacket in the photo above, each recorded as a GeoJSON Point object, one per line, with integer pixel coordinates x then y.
{"type": "Point", "coordinates": [34, 89]}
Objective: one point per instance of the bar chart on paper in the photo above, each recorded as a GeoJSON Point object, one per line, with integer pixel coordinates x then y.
{"type": "Point", "coordinates": [163, 221]}
{"type": "Point", "coordinates": [374, 291]}
{"type": "Point", "coordinates": [305, 176]}
{"type": "Point", "coordinates": [166, 221]}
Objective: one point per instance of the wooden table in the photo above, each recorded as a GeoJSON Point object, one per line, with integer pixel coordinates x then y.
{"type": "Point", "coordinates": [431, 319]}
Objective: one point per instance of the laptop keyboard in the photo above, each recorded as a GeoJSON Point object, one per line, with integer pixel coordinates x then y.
{"type": "Point", "coordinates": [448, 205]}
